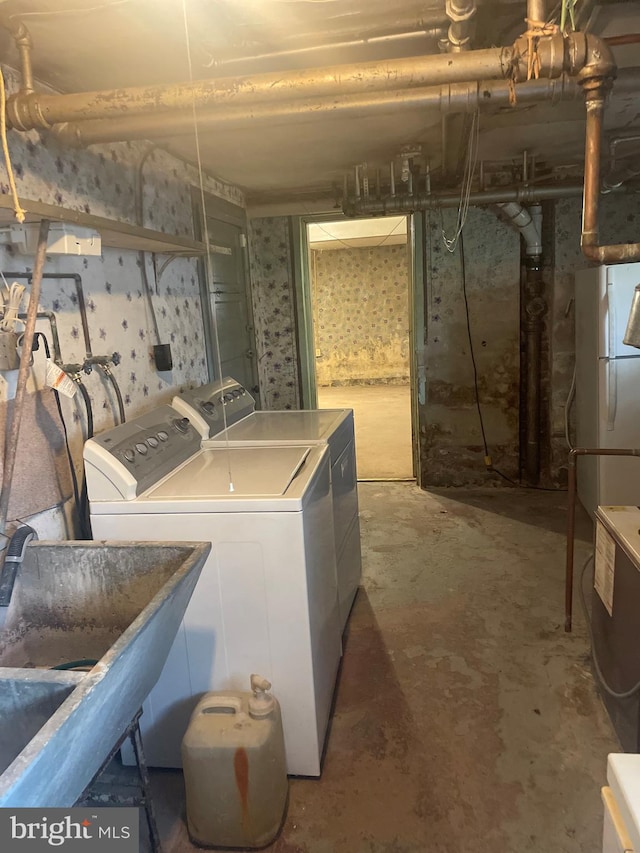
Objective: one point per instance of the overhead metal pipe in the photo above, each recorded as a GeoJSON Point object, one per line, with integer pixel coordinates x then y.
{"type": "Point", "coordinates": [314, 52]}
{"type": "Point", "coordinates": [37, 110]}
{"type": "Point", "coordinates": [377, 27]}
{"type": "Point", "coordinates": [434, 201]}
{"type": "Point", "coordinates": [450, 98]}
{"type": "Point", "coordinates": [620, 253]}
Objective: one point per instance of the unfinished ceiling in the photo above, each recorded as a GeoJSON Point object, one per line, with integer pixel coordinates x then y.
{"type": "Point", "coordinates": [82, 45]}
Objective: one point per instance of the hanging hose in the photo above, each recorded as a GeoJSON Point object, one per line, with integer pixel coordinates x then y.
{"type": "Point", "coordinates": [625, 694]}
{"type": "Point", "coordinates": [87, 403]}
{"type": "Point", "coordinates": [116, 388]}
{"type": "Point", "coordinates": [83, 507]}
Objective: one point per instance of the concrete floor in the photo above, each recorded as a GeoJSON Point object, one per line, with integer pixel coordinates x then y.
{"type": "Point", "coordinates": [382, 415]}
{"type": "Point", "coordinates": [465, 718]}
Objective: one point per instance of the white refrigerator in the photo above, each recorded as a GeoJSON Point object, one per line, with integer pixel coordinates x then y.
{"type": "Point", "coordinates": [607, 386]}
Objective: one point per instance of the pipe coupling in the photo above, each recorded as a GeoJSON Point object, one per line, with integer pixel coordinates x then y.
{"type": "Point", "coordinates": [592, 57]}
{"type": "Point", "coordinates": [460, 11]}
{"type": "Point", "coordinates": [549, 60]}
{"type": "Point", "coordinates": [459, 98]}
{"type": "Point", "coordinates": [24, 112]}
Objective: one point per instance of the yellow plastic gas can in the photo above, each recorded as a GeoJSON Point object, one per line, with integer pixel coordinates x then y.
{"type": "Point", "coordinates": [235, 768]}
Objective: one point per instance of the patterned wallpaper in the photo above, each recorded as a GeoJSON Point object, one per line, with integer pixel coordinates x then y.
{"type": "Point", "coordinates": [274, 311]}
{"type": "Point", "coordinates": [101, 180]}
{"type": "Point", "coordinates": [361, 314]}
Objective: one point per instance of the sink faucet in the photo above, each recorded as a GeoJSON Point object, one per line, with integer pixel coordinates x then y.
{"type": "Point", "coordinates": [13, 557]}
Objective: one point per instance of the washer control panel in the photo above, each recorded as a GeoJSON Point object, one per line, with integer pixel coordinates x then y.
{"type": "Point", "coordinates": [137, 454]}
{"type": "Point", "coordinates": [215, 406]}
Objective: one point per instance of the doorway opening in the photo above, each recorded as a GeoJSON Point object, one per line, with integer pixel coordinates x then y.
{"type": "Point", "coordinates": [360, 272]}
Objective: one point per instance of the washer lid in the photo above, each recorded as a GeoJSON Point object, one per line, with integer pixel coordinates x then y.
{"type": "Point", "coordinates": [306, 425]}
{"type": "Point", "coordinates": [251, 471]}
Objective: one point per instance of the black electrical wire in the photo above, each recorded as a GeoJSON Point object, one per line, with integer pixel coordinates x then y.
{"type": "Point", "coordinates": [615, 694]}
{"type": "Point", "coordinates": [463, 272]}
{"type": "Point", "coordinates": [83, 507]}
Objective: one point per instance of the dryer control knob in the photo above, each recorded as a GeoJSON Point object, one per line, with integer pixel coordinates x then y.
{"type": "Point", "coordinates": [181, 424]}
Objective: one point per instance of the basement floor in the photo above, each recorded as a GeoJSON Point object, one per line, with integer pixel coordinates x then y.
{"type": "Point", "coordinates": [465, 718]}
{"type": "Point", "coordinates": [382, 418]}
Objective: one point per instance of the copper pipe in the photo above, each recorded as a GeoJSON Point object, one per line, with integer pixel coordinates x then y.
{"type": "Point", "coordinates": [571, 519]}
{"type": "Point", "coordinates": [451, 98]}
{"type": "Point", "coordinates": [616, 253]}
{"type": "Point", "coordinates": [629, 38]}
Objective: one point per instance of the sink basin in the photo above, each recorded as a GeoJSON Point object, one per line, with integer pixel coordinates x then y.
{"type": "Point", "coordinates": [118, 603]}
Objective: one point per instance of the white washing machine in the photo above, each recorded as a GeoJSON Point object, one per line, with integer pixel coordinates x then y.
{"type": "Point", "coordinates": [224, 414]}
{"type": "Point", "coordinates": [266, 600]}
{"type": "Point", "coordinates": [621, 799]}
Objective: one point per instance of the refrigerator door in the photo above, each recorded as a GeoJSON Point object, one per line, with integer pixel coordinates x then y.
{"type": "Point", "coordinates": [617, 284]}
{"type": "Point", "coordinates": [619, 426]}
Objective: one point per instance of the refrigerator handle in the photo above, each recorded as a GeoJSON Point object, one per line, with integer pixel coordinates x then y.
{"type": "Point", "coordinates": [611, 392]}
{"type": "Point", "coordinates": [611, 319]}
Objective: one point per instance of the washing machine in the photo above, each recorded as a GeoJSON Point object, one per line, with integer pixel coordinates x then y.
{"type": "Point", "coordinates": [621, 800]}
{"type": "Point", "coordinates": [267, 599]}
{"type": "Point", "coordinates": [224, 414]}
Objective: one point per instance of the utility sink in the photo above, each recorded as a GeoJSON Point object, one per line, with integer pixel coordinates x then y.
{"type": "Point", "coordinates": [118, 603]}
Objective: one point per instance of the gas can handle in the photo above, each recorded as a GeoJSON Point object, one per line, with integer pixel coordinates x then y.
{"type": "Point", "coordinates": [221, 705]}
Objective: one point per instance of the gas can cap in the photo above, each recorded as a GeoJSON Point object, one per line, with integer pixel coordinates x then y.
{"type": "Point", "coordinates": [262, 703]}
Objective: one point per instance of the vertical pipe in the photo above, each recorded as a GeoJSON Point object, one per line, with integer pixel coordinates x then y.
{"type": "Point", "coordinates": [535, 310]}
{"type": "Point", "coordinates": [536, 11]}
{"type": "Point", "coordinates": [392, 176]}
{"type": "Point", "coordinates": [595, 113]}
{"type": "Point", "coordinates": [13, 428]}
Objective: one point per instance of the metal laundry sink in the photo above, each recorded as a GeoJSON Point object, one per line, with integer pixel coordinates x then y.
{"type": "Point", "coordinates": [118, 603]}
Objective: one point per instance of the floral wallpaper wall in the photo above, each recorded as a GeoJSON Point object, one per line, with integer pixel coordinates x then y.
{"type": "Point", "coordinates": [102, 181]}
{"type": "Point", "coordinates": [274, 311]}
{"type": "Point", "coordinates": [361, 314]}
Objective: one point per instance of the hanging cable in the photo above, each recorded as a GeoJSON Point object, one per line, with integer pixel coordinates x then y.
{"type": "Point", "coordinates": [567, 408]}
{"type": "Point", "coordinates": [487, 456]}
{"type": "Point", "coordinates": [471, 161]}
{"type": "Point", "coordinates": [209, 266]}
{"type": "Point", "coordinates": [463, 273]}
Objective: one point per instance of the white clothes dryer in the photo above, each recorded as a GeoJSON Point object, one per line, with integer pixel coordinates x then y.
{"type": "Point", "coordinates": [266, 600]}
{"type": "Point", "coordinates": [224, 414]}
